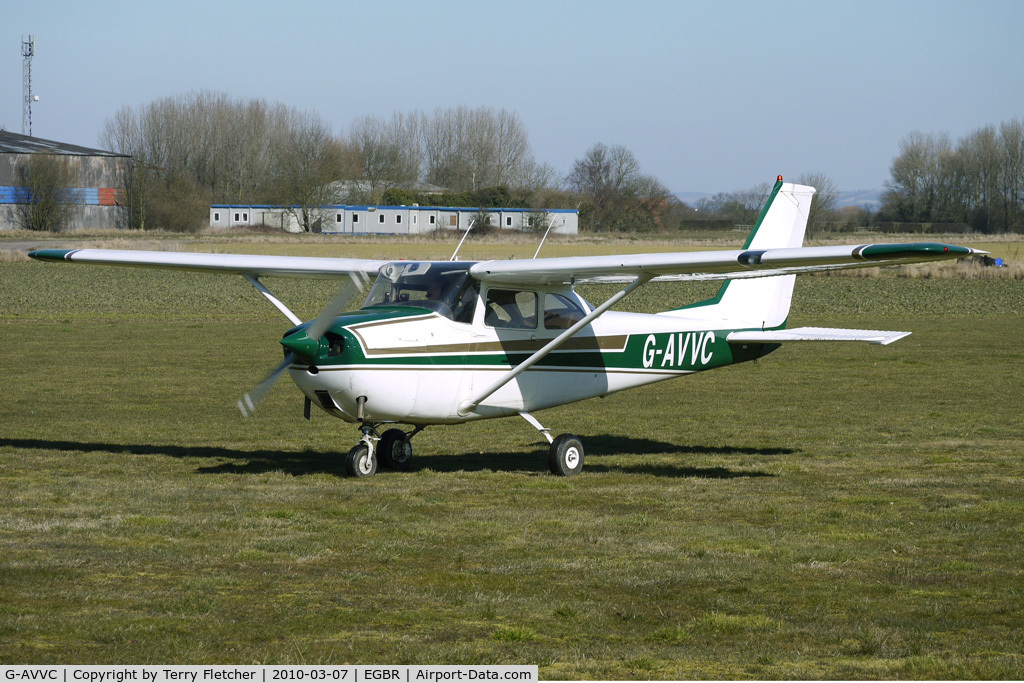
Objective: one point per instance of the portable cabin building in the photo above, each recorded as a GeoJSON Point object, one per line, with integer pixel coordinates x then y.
{"type": "Point", "coordinates": [360, 219]}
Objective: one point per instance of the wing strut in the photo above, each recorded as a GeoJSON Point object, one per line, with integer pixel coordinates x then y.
{"type": "Point", "coordinates": [470, 404]}
{"type": "Point", "coordinates": [255, 282]}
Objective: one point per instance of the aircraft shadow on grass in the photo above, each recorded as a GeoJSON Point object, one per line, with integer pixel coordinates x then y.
{"type": "Point", "coordinates": [299, 463]}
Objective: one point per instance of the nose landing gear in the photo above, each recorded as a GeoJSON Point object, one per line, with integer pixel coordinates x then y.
{"type": "Point", "coordinates": [361, 461]}
{"type": "Point", "coordinates": [392, 449]}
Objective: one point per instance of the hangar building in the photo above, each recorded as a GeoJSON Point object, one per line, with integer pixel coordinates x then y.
{"type": "Point", "coordinates": [98, 176]}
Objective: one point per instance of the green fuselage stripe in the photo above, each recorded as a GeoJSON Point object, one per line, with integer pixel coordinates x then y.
{"type": "Point", "coordinates": [670, 352]}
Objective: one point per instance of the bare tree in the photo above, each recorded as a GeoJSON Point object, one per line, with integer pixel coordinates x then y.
{"type": "Point", "coordinates": [443, 140]}
{"type": "Point", "coordinates": [122, 134]}
{"type": "Point", "coordinates": [914, 188]}
{"type": "Point", "coordinates": [46, 203]}
{"type": "Point", "coordinates": [980, 152]}
{"type": "Point", "coordinates": [469, 149]}
{"type": "Point", "coordinates": [615, 194]}
{"type": "Point", "coordinates": [308, 160]}
{"type": "Point", "coordinates": [1010, 177]}
{"type": "Point", "coordinates": [823, 208]}
{"type": "Point", "coordinates": [389, 151]}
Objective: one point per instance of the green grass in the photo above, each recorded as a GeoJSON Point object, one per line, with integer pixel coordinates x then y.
{"type": "Point", "coordinates": [833, 511]}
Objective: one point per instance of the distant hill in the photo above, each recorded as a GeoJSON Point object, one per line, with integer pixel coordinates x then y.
{"type": "Point", "coordinates": [691, 198]}
{"type": "Point", "coordinates": [867, 199]}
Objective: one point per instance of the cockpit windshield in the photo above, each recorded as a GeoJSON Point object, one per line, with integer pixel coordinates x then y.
{"type": "Point", "coordinates": [445, 288]}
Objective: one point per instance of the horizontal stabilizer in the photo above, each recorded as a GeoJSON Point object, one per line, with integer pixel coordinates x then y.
{"type": "Point", "coordinates": [817, 334]}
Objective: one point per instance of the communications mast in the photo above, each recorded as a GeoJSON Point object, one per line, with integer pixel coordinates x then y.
{"type": "Point", "coordinates": [28, 50]}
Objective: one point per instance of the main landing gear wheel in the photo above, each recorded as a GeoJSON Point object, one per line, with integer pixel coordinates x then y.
{"type": "Point", "coordinates": [395, 449]}
{"type": "Point", "coordinates": [565, 455]}
{"type": "Point", "coordinates": [361, 461]}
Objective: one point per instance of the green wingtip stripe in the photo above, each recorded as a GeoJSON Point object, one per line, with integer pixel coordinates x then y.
{"type": "Point", "coordinates": [51, 254]}
{"type": "Point", "coordinates": [884, 251]}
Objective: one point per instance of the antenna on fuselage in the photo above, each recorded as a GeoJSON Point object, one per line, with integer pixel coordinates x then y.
{"type": "Point", "coordinates": [550, 224]}
{"type": "Point", "coordinates": [471, 224]}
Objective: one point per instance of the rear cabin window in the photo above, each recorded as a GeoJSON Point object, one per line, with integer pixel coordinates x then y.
{"type": "Point", "coordinates": [560, 312]}
{"type": "Point", "coordinates": [511, 309]}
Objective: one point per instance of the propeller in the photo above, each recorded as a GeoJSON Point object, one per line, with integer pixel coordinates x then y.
{"type": "Point", "coordinates": [313, 332]}
{"type": "Point", "coordinates": [247, 404]}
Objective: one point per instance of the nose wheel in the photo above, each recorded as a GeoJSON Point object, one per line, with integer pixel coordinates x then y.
{"type": "Point", "coordinates": [361, 461]}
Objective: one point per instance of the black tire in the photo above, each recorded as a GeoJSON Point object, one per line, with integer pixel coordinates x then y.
{"type": "Point", "coordinates": [565, 455]}
{"type": "Point", "coordinates": [394, 450]}
{"type": "Point", "coordinates": [360, 462]}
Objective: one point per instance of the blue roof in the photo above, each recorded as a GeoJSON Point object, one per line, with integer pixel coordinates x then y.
{"type": "Point", "coordinates": [368, 207]}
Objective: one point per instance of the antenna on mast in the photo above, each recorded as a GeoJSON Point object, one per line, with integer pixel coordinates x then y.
{"type": "Point", "coordinates": [28, 51]}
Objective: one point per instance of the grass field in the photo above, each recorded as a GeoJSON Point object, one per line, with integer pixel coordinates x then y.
{"type": "Point", "coordinates": [833, 511]}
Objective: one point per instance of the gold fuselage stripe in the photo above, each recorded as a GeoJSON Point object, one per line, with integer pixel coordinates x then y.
{"type": "Point", "coordinates": [602, 344]}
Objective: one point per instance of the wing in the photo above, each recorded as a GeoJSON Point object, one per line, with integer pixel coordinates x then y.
{"type": "Point", "coordinates": [243, 264]}
{"type": "Point", "coordinates": [711, 265]}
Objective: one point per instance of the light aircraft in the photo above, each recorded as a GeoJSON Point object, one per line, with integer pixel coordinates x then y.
{"type": "Point", "coordinates": [446, 342]}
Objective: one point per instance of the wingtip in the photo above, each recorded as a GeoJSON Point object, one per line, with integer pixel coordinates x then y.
{"type": "Point", "coordinates": [51, 254]}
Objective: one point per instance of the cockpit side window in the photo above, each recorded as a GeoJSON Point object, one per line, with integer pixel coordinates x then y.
{"type": "Point", "coordinates": [511, 309]}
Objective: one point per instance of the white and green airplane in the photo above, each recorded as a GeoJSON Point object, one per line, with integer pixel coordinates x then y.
{"type": "Point", "coordinates": [446, 342]}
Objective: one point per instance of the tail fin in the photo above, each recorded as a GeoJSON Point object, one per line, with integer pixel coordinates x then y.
{"type": "Point", "coordinates": [762, 302]}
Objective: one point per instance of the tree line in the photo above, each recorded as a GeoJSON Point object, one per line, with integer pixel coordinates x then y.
{"type": "Point", "coordinates": [193, 150]}
{"type": "Point", "coordinates": [742, 207]}
{"type": "Point", "coordinates": [189, 151]}
{"type": "Point", "coordinates": [186, 152]}
{"type": "Point", "coordinates": [977, 182]}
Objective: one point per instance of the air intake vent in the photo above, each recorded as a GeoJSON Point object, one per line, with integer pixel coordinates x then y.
{"type": "Point", "coordinates": [326, 402]}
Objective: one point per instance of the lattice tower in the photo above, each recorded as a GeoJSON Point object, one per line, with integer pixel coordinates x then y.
{"type": "Point", "coordinates": [28, 50]}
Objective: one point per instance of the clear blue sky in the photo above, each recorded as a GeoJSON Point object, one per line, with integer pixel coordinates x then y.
{"type": "Point", "coordinates": [709, 96]}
